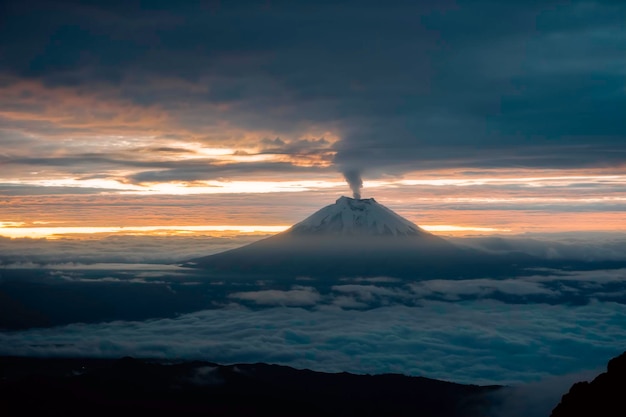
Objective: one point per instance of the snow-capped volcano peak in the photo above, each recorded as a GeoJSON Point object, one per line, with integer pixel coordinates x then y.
{"type": "Point", "coordinates": [352, 237]}
{"type": "Point", "coordinates": [349, 217]}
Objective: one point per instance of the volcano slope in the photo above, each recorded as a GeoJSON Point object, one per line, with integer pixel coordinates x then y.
{"type": "Point", "coordinates": [358, 237]}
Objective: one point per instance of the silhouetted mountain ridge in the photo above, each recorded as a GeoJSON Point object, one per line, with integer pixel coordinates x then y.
{"type": "Point", "coordinates": [103, 387]}
{"type": "Point", "coordinates": [604, 396]}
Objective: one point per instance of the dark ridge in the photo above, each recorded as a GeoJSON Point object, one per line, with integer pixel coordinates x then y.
{"type": "Point", "coordinates": [604, 396]}
{"type": "Point", "coordinates": [106, 387]}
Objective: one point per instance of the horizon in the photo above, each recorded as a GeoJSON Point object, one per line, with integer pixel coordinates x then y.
{"type": "Point", "coordinates": [457, 215]}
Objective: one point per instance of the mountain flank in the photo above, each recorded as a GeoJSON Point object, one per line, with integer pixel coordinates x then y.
{"type": "Point", "coordinates": [356, 237]}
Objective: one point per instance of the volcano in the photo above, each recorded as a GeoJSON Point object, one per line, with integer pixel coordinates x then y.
{"type": "Point", "coordinates": [350, 217]}
{"type": "Point", "coordinates": [352, 237]}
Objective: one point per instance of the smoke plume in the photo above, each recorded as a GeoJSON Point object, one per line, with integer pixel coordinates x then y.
{"type": "Point", "coordinates": [355, 182]}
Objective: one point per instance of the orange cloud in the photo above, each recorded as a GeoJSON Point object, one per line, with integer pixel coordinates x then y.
{"type": "Point", "coordinates": [66, 108]}
{"type": "Point", "coordinates": [151, 211]}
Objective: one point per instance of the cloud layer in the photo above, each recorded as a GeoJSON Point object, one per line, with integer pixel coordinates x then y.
{"type": "Point", "coordinates": [473, 342]}
{"type": "Point", "coordinates": [549, 323]}
{"type": "Point", "coordinates": [120, 248]}
{"type": "Point", "coordinates": [385, 89]}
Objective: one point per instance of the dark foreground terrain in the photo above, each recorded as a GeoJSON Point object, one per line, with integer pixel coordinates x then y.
{"type": "Point", "coordinates": [604, 396]}
{"type": "Point", "coordinates": [106, 387]}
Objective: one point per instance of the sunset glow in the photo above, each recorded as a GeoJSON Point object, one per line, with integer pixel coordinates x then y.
{"type": "Point", "coordinates": [500, 203]}
{"type": "Point", "coordinates": [159, 148]}
{"type": "Point", "coordinates": [59, 232]}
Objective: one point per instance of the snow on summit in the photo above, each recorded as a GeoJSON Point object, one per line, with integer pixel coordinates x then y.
{"type": "Point", "coordinates": [349, 216]}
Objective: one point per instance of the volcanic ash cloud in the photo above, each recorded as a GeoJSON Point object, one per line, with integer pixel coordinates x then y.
{"type": "Point", "coordinates": [353, 177]}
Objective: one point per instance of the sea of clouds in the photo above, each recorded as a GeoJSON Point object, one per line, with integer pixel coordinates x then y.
{"type": "Point", "coordinates": [547, 328]}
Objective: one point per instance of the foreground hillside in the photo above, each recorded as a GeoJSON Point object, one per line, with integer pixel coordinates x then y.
{"type": "Point", "coordinates": [101, 387]}
{"type": "Point", "coordinates": [604, 396]}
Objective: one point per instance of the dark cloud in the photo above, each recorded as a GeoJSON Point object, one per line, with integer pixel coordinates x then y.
{"type": "Point", "coordinates": [34, 190]}
{"type": "Point", "coordinates": [195, 171]}
{"type": "Point", "coordinates": [296, 296]}
{"type": "Point", "coordinates": [406, 86]}
{"type": "Point", "coordinates": [166, 150]}
{"type": "Point", "coordinates": [581, 246]}
{"type": "Point", "coordinates": [163, 170]}
{"type": "Point", "coordinates": [296, 147]}
{"type": "Point", "coordinates": [456, 290]}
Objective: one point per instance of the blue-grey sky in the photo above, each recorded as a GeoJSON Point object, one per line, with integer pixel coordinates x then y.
{"type": "Point", "coordinates": [402, 84]}
{"type": "Point", "coordinates": [188, 97]}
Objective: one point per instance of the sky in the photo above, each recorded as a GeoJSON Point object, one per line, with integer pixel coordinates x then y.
{"type": "Point", "coordinates": [463, 116]}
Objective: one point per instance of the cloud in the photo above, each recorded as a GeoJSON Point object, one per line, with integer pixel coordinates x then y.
{"type": "Point", "coordinates": [372, 280]}
{"type": "Point", "coordinates": [416, 86]}
{"type": "Point", "coordinates": [575, 246]}
{"type": "Point", "coordinates": [110, 250]}
{"type": "Point", "coordinates": [538, 398]}
{"type": "Point", "coordinates": [272, 208]}
{"type": "Point", "coordinates": [482, 288]}
{"type": "Point", "coordinates": [297, 296]}
{"type": "Point", "coordinates": [205, 170]}
{"type": "Point", "coordinates": [367, 293]}
{"type": "Point", "coordinates": [514, 330]}
{"type": "Point", "coordinates": [172, 248]}
{"type": "Point", "coordinates": [595, 276]}
{"type": "Point", "coordinates": [481, 342]}
{"type": "Point", "coordinates": [348, 302]}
